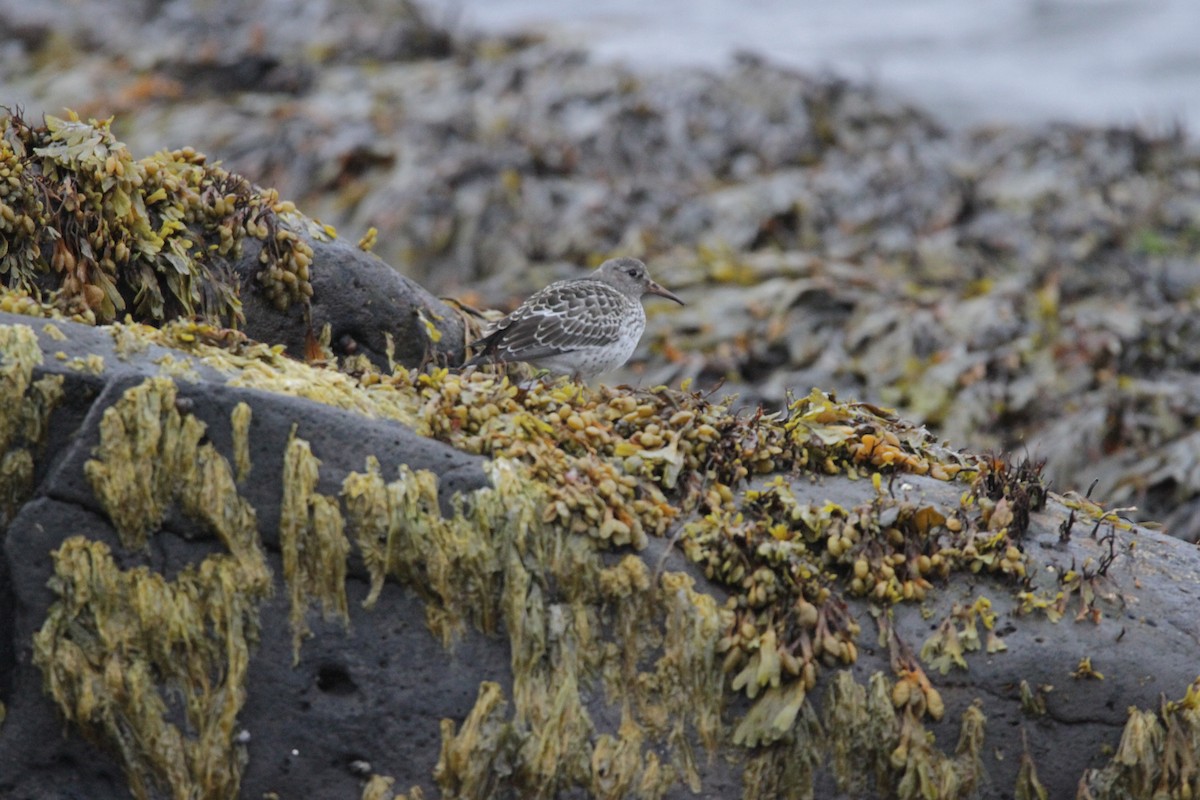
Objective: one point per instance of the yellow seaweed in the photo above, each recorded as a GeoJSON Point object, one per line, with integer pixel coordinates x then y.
{"type": "Point", "coordinates": [118, 644]}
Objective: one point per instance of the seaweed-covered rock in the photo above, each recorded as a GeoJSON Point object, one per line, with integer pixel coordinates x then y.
{"type": "Point", "coordinates": [90, 232]}
{"type": "Point", "coordinates": [235, 573]}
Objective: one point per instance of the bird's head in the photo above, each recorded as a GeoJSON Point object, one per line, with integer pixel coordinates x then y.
{"type": "Point", "coordinates": [629, 276]}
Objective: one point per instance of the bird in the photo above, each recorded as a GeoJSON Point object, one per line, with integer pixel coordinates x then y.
{"type": "Point", "coordinates": [580, 327]}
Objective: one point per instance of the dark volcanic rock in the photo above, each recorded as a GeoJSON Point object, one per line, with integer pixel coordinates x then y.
{"type": "Point", "coordinates": [364, 301]}
{"type": "Point", "coordinates": [37, 761]}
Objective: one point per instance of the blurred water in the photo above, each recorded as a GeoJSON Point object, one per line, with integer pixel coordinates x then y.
{"type": "Point", "coordinates": [970, 62]}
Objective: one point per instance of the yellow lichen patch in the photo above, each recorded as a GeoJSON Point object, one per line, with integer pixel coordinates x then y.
{"type": "Point", "coordinates": [1085, 670]}
{"type": "Point", "coordinates": [400, 531]}
{"type": "Point", "coordinates": [18, 301]}
{"type": "Point", "coordinates": [150, 457]}
{"type": "Point", "coordinates": [560, 754]}
{"type": "Point", "coordinates": [379, 787]}
{"type": "Point", "coordinates": [119, 648]}
{"type": "Point", "coordinates": [688, 675]}
{"type": "Point", "coordinates": [1153, 759]}
{"type": "Point", "coordinates": [958, 634]}
{"type": "Point", "coordinates": [617, 761]}
{"type": "Point", "coordinates": [927, 772]}
{"type": "Point", "coordinates": [16, 482]}
{"type": "Point", "coordinates": [92, 364]}
{"type": "Point", "coordinates": [312, 541]}
{"type": "Point", "coordinates": [881, 747]}
{"type": "Point", "coordinates": [254, 365]}
{"type": "Point", "coordinates": [862, 730]}
{"type": "Point", "coordinates": [1028, 786]}
{"type": "Point", "coordinates": [54, 332]}
{"type": "Point", "coordinates": [786, 769]}
{"type": "Point", "coordinates": [19, 354]}
{"type": "Point", "coordinates": [367, 242]}
{"type": "Point", "coordinates": [29, 404]}
{"type": "Point", "coordinates": [43, 396]}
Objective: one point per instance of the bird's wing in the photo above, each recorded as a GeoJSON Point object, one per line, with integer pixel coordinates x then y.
{"type": "Point", "coordinates": [561, 318]}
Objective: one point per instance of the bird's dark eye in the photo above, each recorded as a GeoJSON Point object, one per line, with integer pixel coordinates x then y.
{"type": "Point", "coordinates": [631, 272]}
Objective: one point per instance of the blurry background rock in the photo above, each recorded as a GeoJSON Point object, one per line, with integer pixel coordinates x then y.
{"type": "Point", "coordinates": [1019, 289]}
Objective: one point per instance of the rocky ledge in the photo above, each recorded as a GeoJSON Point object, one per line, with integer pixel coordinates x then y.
{"type": "Point", "coordinates": [234, 574]}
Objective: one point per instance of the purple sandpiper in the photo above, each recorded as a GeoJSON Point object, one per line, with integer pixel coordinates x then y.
{"type": "Point", "coordinates": [581, 327]}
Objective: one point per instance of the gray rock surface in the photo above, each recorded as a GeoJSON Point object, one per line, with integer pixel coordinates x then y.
{"type": "Point", "coordinates": [363, 301]}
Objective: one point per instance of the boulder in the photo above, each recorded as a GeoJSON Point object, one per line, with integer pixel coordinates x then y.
{"type": "Point", "coordinates": [172, 236]}
{"type": "Point", "coordinates": [227, 573]}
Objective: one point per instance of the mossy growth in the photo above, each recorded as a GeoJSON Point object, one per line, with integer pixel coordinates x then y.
{"type": "Point", "coordinates": [573, 623]}
{"type": "Point", "coordinates": [28, 404]}
{"type": "Point", "coordinates": [659, 647]}
{"type": "Point", "coordinates": [603, 470]}
{"type": "Point", "coordinates": [90, 232]}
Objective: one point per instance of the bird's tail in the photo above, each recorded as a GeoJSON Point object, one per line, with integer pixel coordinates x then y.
{"type": "Point", "coordinates": [485, 351]}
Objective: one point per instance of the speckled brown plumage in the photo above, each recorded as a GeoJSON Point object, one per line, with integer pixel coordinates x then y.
{"type": "Point", "coordinates": [581, 327]}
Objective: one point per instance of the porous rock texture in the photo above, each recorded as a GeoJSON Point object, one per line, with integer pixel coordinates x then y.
{"type": "Point", "coordinates": [601, 674]}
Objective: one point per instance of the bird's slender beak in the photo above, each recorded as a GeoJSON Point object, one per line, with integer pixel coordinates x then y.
{"type": "Point", "coordinates": [654, 288]}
